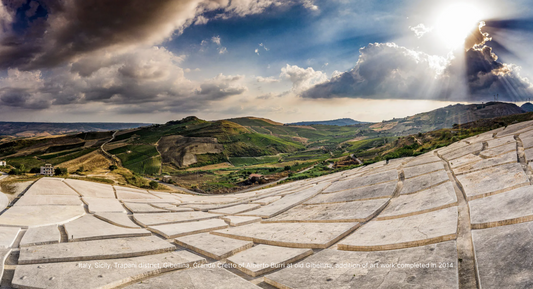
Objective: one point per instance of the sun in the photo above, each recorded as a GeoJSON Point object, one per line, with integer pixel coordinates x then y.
{"type": "Point", "coordinates": [456, 22]}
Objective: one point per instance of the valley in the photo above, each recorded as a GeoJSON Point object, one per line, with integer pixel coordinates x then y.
{"type": "Point", "coordinates": [225, 156]}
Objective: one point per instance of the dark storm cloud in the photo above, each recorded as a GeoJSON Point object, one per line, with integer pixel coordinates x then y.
{"type": "Point", "coordinates": [77, 27]}
{"type": "Point", "coordinates": [20, 98]}
{"type": "Point", "coordinates": [384, 70]}
{"type": "Point", "coordinates": [388, 71]}
{"type": "Point", "coordinates": [68, 29]}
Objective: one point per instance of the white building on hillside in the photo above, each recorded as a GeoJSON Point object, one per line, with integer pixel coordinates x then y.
{"type": "Point", "coordinates": [47, 170]}
{"type": "Point", "coordinates": [3, 163]}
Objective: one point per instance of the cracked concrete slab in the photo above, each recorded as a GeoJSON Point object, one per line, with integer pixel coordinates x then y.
{"type": "Point", "coordinates": [153, 219]}
{"type": "Point", "coordinates": [462, 151]}
{"type": "Point", "coordinates": [423, 159]}
{"type": "Point", "coordinates": [267, 200]}
{"type": "Point", "coordinates": [213, 246]}
{"type": "Point", "coordinates": [89, 228]}
{"type": "Point", "coordinates": [515, 206]}
{"type": "Point", "coordinates": [352, 183]}
{"type": "Point", "coordinates": [36, 216]}
{"type": "Point", "coordinates": [489, 153]}
{"type": "Point", "coordinates": [527, 141]}
{"type": "Point", "coordinates": [286, 202]}
{"type": "Point", "coordinates": [172, 207]}
{"type": "Point", "coordinates": [384, 190]}
{"type": "Point", "coordinates": [92, 190]}
{"type": "Point", "coordinates": [143, 208]}
{"type": "Point", "coordinates": [124, 193]}
{"type": "Point", "coordinates": [94, 250]}
{"type": "Point", "coordinates": [500, 141]}
{"type": "Point", "coordinates": [515, 128]}
{"type": "Point", "coordinates": [464, 160]}
{"type": "Point", "coordinates": [98, 205]}
{"type": "Point", "coordinates": [4, 254]}
{"type": "Point", "coordinates": [197, 278]}
{"type": "Point", "coordinates": [341, 269]}
{"type": "Point", "coordinates": [503, 256]}
{"type": "Point", "coordinates": [414, 171]}
{"type": "Point", "coordinates": [453, 147]}
{"type": "Point", "coordinates": [492, 180]}
{"type": "Point", "coordinates": [50, 187]}
{"type": "Point", "coordinates": [424, 182]}
{"type": "Point", "coordinates": [235, 221]}
{"type": "Point", "coordinates": [8, 236]}
{"type": "Point", "coordinates": [41, 236]}
{"type": "Point", "coordinates": [295, 235]}
{"type": "Point", "coordinates": [103, 273]}
{"type": "Point", "coordinates": [438, 197]}
{"type": "Point", "coordinates": [507, 158]}
{"type": "Point", "coordinates": [236, 209]}
{"type": "Point", "coordinates": [262, 259]}
{"type": "Point", "coordinates": [52, 200]}
{"type": "Point", "coordinates": [117, 219]}
{"type": "Point", "coordinates": [412, 231]}
{"type": "Point", "coordinates": [170, 231]}
{"type": "Point", "coordinates": [357, 211]}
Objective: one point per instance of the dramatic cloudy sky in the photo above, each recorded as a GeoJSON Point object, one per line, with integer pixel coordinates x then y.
{"type": "Point", "coordinates": [288, 60]}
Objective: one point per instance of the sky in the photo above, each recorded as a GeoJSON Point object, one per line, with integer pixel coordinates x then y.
{"type": "Point", "coordinates": [287, 60]}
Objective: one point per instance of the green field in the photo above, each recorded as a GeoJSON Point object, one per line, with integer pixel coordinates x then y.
{"type": "Point", "coordinates": [142, 159]}
{"type": "Point", "coordinates": [250, 161]}
{"type": "Point", "coordinates": [36, 161]}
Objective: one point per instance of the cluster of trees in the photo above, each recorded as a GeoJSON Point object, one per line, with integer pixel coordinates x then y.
{"type": "Point", "coordinates": [21, 170]}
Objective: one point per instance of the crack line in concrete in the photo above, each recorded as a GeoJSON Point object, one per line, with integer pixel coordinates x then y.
{"type": "Point", "coordinates": [467, 267]}
{"type": "Point", "coordinates": [397, 190]}
{"type": "Point", "coordinates": [521, 158]}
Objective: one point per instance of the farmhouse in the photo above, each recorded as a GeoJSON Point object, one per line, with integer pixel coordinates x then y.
{"type": "Point", "coordinates": [47, 170]}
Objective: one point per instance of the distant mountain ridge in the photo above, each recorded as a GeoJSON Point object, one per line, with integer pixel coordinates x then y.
{"type": "Point", "coordinates": [446, 117]}
{"type": "Point", "coordinates": [528, 107]}
{"type": "Point", "coordinates": [337, 122]}
{"type": "Point", "coordinates": [35, 129]}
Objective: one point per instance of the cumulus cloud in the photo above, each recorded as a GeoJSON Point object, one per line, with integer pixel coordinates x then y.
{"type": "Point", "coordinates": [221, 87]}
{"type": "Point", "coordinates": [384, 70]}
{"type": "Point", "coordinates": [302, 79]}
{"type": "Point", "coordinates": [201, 20]}
{"type": "Point", "coordinates": [216, 40]}
{"type": "Point", "coordinates": [309, 4]}
{"type": "Point", "coordinates": [148, 78]}
{"type": "Point", "coordinates": [389, 71]}
{"type": "Point", "coordinates": [269, 79]}
{"type": "Point", "coordinates": [487, 76]}
{"type": "Point", "coordinates": [420, 30]}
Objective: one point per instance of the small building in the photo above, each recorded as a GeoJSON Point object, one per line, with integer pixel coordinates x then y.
{"type": "Point", "coordinates": [3, 163]}
{"type": "Point", "coordinates": [47, 170]}
{"type": "Point", "coordinates": [255, 178]}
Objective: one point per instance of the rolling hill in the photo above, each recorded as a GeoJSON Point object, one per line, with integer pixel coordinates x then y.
{"type": "Point", "coordinates": [227, 151]}
{"type": "Point", "coordinates": [35, 129]}
{"type": "Point", "coordinates": [337, 122]}
{"type": "Point", "coordinates": [445, 117]}
{"type": "Point", "coordinates": [528, 107]}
